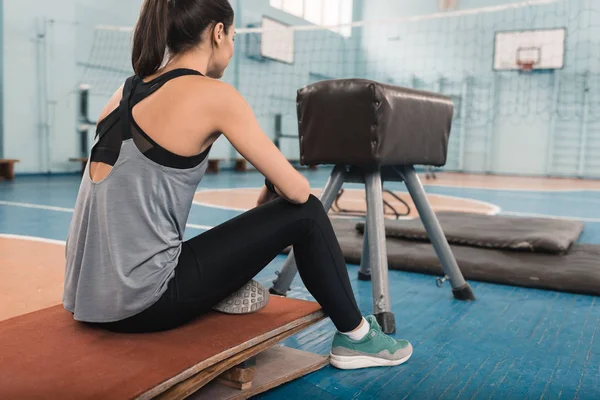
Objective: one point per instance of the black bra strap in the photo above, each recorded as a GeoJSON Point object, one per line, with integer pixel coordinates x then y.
{"type": "Point", "coordinates": [120, 126]}
{"type": "Point", "coordinates": [144, 89]}
{"type": "Point", "coordinates": [125, 106]}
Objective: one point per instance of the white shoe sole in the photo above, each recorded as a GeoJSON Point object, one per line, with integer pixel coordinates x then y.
{"type": "Point", "coordinates": [356, 362]}
{"type": "Point", "coordinates": [252, 297]}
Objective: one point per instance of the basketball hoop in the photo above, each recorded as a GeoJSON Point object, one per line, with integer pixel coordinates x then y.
{"type": "Point", "coordinates": [526, 66]}
{"type": "Point", "coordinates": [528, 57]}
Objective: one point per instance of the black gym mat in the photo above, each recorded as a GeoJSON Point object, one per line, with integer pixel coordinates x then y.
{"type": "Point", "coordinates": [493, 231]}
{"type": "Point", "coordinates": [578, 271]}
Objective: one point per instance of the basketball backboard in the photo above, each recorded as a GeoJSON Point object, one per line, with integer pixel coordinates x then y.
{"type": "Point", "coordinates": [532, 49]}
{"type": "Point", "coordinates": [277, 42]}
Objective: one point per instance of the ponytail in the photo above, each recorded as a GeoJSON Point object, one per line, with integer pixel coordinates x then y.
{"type": "Point", "coordinates": [150, 38]}
{"type": "Point", "coordinates": [173, 25]}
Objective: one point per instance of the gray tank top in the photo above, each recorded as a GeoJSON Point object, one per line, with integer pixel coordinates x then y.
{"type": "Point", "coordinates": [127, 230]}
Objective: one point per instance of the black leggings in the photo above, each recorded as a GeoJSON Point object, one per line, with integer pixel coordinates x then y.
{"type": "Point", "coordinates": [218, 262]}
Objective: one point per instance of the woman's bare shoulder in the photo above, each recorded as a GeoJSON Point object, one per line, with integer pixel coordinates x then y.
{"type": "Point", "coordinates": [204, 91]}
{"type": "Point", "coordinates": [112, 104]}
{"type": "Point", "coordinates": [217, 90]}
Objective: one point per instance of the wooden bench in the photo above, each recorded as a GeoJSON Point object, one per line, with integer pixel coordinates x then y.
{"type": "Point", "coordinates": [46, 353]}
{"type": "Point", "coordinates": [82, 160]}
{"type": "Point", "coordinates": [241, 165]}
{"type": "Point", "coordinates": [7, 169]}
{"type": "Point", "coordinates": [214, 168]}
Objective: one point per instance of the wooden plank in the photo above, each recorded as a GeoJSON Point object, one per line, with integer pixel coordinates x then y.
{"type": "Point", "coordinates": [238, 376]}
{"type": "Point", "coordinates": [242, 373]}
{"type": "Point", "coordinates": [276, 366]}
{"type": "Point", "coordinates": [305, 321]}
{"type": "Point", "coordinates": [193, 384]}
{"type": "Point", "coordinates": [236, 385]}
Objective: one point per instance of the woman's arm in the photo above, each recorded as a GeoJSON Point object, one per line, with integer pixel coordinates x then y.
{"type": "Point", "coordinates": [234, 117]}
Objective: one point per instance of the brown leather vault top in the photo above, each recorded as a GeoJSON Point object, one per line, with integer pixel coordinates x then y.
{"type": "Point", "coordinates": [366, 123]}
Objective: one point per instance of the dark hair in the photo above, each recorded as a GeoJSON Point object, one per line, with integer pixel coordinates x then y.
{"type": "Point", "coordinates": [176, 25]}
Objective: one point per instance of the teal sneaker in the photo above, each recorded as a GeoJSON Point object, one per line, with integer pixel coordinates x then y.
{"type": "Point", "coordinates": [376, 349]}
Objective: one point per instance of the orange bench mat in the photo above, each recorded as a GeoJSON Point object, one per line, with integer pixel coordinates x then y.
{"type": "Point", "coordinates": [46, 354]}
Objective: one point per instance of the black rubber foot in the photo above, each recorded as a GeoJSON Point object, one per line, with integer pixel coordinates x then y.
{"type": "Point", "coordinates": [276, 293]}
{"type": "Point", "coordinates": [387, 322]}
{"type": "Point", "coordinates": [363, 277]}
{"type": "Point", "coordinates": [464, 293]}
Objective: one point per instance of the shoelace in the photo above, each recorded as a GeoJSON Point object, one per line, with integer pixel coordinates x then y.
{"type": "Point", "coordinates": [379, 331]}
{"type": "Point", "coordinates": [387, 338]}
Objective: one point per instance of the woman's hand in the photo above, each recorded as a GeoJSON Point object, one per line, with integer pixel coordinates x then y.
{"type": "Point", "coordinates": [265, 196]}
{"type": "Point", "coordinates": [232, 115]}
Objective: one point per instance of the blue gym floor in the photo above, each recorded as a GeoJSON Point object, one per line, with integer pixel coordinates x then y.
{"type": "Point", "coordinates": [512, 343]}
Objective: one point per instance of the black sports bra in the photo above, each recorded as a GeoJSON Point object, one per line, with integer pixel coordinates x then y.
{"type": "Point", "coordinates": [112, 130]}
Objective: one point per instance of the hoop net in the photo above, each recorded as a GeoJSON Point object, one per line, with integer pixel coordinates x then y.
{"type": "Point", "coordinates": [526, 66]}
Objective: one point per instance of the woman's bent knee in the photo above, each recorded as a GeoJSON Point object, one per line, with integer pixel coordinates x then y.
{"type": "Point", "coordinates": [314, 205]}
{"type": "Point", "coordinates": [313, 209]}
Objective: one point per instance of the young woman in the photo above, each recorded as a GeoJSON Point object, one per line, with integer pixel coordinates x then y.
{"type": "Point", "coordinates": [128, 267]}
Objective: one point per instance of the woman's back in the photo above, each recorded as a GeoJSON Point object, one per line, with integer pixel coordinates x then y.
{"type": "Point", "coordinates": [150, 155]}
{"type": "Point", "coordinates": [129, 223]}
{"type": "Point", "coordinates": [178, 117]}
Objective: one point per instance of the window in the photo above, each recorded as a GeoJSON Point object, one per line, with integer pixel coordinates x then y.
{"type": "Point", "coordinates": [295, 7]}
{"type": "Point", "coordinates": [320, 12]}
{"type": "Point", "coordinates": [313, 11]}
{"type": "Point", "coordinates": [331, 12]}
{"type": "Point", "coordinates": [448, 5]}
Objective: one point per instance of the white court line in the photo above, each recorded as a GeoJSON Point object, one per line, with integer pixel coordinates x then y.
{"type": "Point", "coordinates": [494, 211]}
{"type": "Point", "coordinates": [563, 196]}
{"type": "Point", "coordinates": [247, 189]}
{"type": "Point", "coordinates": [37, 206]}
{"type": "Point", "coordinates": [562, 217]}
{"type": "Point", "coordinates": [33, 239]}
{"type": "Point", "coordinates": [209, 205]}
{"type": "Point", "coordinates": [70, 210]}
{"type": "Point", "coordinates": [549, 196]}
{"type": "Point", "coordinates": [507, 189]}
{"type": "Point", "coordinates": [200, 227]}
{"type": "Point", "coordinates": [494, 208]}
